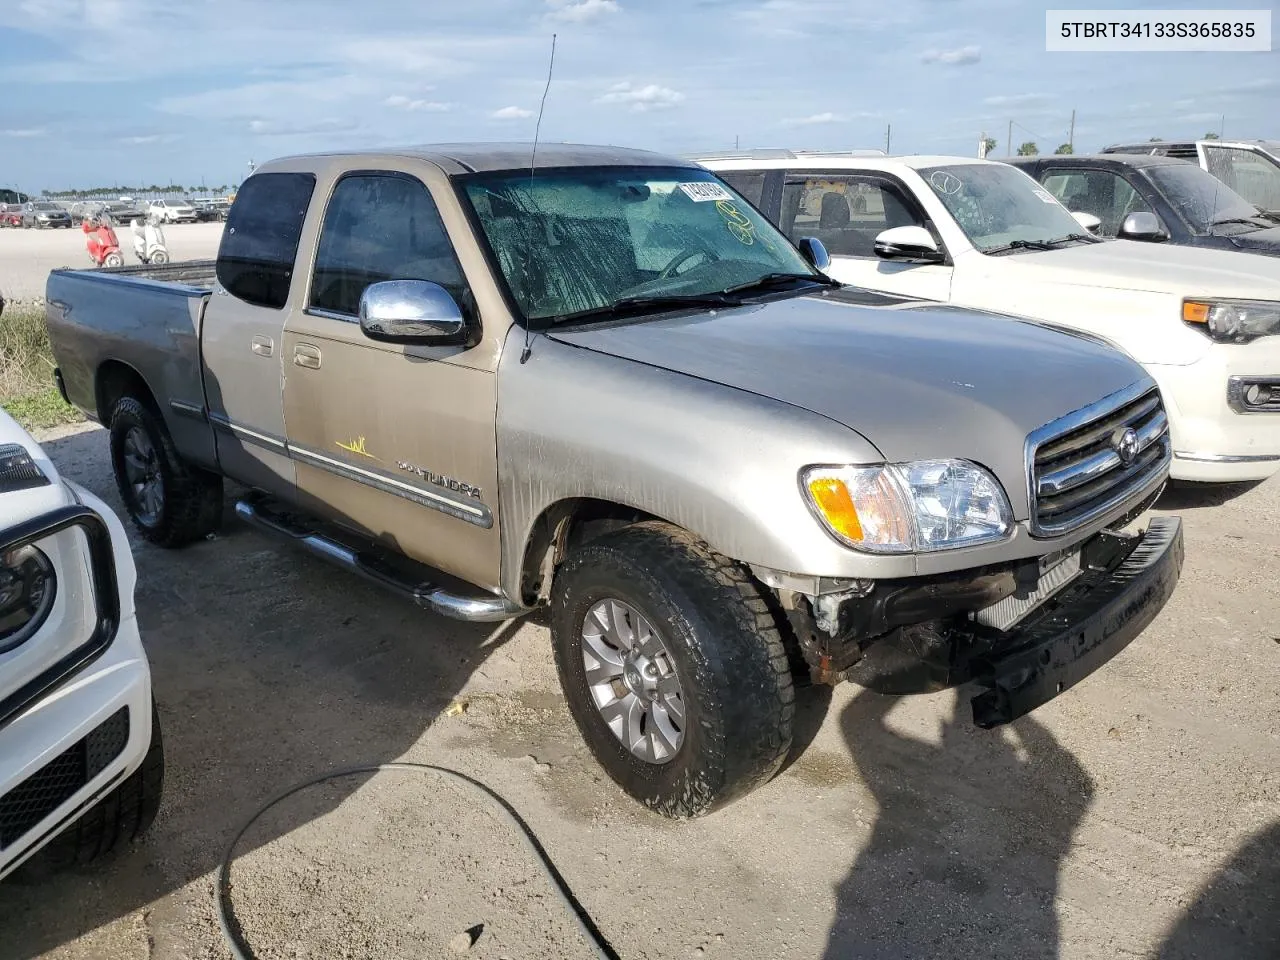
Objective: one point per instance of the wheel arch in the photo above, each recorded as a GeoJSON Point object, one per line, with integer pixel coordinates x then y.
{"type": "Point", "coordinates": [563, 524]}
{"type": "Point", "coordinates": [115, 379]}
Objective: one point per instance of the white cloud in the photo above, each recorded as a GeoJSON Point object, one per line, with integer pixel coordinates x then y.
{"type": "Point", "coordinates": [276, 128]}
{"type": "Point", "coordinates": [581, 11]}
{"type": "Point", "coordinates": [402, 102]}
{"type": "Point", "coordinates": [1017, 100]}
{"type": "Point", "coordinates": [958, 57]}
{"type": "Point", "coordinates": [25, 133]}
{"type": "Point", "coordinates": [640, 99]}
{"type": "Point", "coordinates": [143, 139]}
{"type": "Point", "coordinates": [512, 113]}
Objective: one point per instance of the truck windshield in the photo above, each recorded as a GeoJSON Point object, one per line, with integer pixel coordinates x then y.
{"type": "Point", "coordinates": [1204, 200]}
{"type": "Point", "coordinates": [1000, 208]}
{"type": "Point", "coordinates": [581, 240]}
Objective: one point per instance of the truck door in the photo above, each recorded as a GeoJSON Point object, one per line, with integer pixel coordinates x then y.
{"type": "Point", "coordinates": [847, 212]}
{"type": "Point", "coordinates": [244, 326]}
{"type": "Point", "coordinates": [395, 442]}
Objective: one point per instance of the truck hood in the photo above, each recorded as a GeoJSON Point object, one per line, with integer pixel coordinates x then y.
{"type": "Point", "coordinates": [917, 381]}
{"type": "Point", "coordinates": [1154, 267]}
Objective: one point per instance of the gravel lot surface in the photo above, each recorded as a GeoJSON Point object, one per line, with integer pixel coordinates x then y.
{"type": "Point", "coordinates": [27, 256]}
{"type": "Point", "coordinates": [1136, 816]}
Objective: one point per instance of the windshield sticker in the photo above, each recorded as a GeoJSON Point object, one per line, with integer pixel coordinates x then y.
{"type": "Point", "coordinates": [1044, 195]}
{"type": "Point", "coordinates": [737, 222]}
{"type": "Point", "coordinates": [947, 183]}
{"type": "Point", "coordinates": [703, 190]}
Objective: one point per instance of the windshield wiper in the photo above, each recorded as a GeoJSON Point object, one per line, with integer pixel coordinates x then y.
{"type": "Point", "coordinates": [1248, 221]}
{"type": "Point", "coordinates": [772, 281]}
{"type": "Point", "coordinates": [634, 305]}
{"type": "Point", "coordinates": [1044, 244]}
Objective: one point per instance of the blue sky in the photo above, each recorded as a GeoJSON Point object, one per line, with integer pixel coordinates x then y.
{"type": "Point", "coordinates": [134, 91]}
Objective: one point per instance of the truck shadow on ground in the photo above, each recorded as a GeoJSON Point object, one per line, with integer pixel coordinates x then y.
{"type": "Point", "coordinates": [964, 857]}
{"type": "Point", "coordinates": [269, 667]}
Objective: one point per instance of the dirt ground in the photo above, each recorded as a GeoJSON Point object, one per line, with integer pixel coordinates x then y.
{"type": "Point", "coordinates": [1137, 816]}
{"type": "Point", "coordinates": [27, 256]}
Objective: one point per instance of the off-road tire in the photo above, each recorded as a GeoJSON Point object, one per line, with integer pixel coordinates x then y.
{"type": "Point", "coordinates": [737, 687]}
{"type": "Point", "coordinates": [115, 821]}
{"type": "Point", "coordinates": [191, 497]}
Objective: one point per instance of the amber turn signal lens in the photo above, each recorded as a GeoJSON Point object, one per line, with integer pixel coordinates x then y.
{"type": "Point", "coordinates": [832, 497]}
{"type": "Point", "coordinates": [1193, 312]}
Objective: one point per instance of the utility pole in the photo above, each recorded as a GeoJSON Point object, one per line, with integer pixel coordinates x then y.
{"type": "Point", "coordinates": [888, 128]}
{"type": "Point", "coordinates": [1008, 144]}
{"type": "Point", "coordinates": [1071, 137]}
{"type": "Point", "coordinates": [735, 141]}
{"type": "Point", "coordinates": [1222, 128]}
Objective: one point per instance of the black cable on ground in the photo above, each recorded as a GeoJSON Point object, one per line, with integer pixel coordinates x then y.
{"type": "Point", "coordinates": [234, 935]}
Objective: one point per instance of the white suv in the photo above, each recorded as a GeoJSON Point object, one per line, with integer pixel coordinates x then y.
{"type": "Point", "coordinates": [1204, 323]}
{"type": "Point", "coordinates": [173, 211]}
{"type": "Point", "coordinates": [81, 760]}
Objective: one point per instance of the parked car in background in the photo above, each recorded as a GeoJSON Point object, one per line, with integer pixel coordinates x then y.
{"type": "Point", "coordinates": [1249, 167]}
{"type": "Point", "coordinates": [1205, 323]}
{"type": "Point", "coordinates": [86, 208]}
{"type": "Point", "coordinates": [81, 757]}
{"type": "Point", "coordinates": [209, 209]}
{"type": "Point", "coordinates": [44, 214]}
{"type": "Point", "coordinates": [10, 214]}
{"type": "Point", "coordinates": [1157, 199]}
{"type": "Point", "coordinates": [615, 390]}
{"type": "Point", "coordinates": [172, 211]}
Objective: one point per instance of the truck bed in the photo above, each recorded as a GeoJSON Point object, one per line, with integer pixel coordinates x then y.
{"type": "Point", "coordinates": [198, 274]}
{"type": "Point", "coordinates": [136, 323]}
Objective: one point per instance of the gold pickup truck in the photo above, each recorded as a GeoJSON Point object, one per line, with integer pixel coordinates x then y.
{"type": "Point", "coordinates": [608, 386]}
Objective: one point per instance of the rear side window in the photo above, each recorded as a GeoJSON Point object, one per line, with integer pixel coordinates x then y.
{"type": "Point", "coordinates": [260, 243]}
{"type": "Point", "coordinates": [747, 182]}
{"type": "Point", "coordinates": [380, 226]}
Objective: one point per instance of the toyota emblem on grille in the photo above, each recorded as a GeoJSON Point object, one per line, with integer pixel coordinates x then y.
{"type": "Point", "coordinates": [1125, 443]}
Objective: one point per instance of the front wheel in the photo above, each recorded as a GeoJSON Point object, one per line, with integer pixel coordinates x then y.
{"type": "Point", "coordinates": [171, 502]}
{"type": "Point", "coordinates": [113, 259]}
{"type": "Point", "coordinates": [673, 668]}
{"type": "Point", "coordinates": [159, 256]}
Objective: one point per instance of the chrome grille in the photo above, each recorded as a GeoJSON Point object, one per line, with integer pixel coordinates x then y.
{"type": "Point", "coordinates": [1077, 471]}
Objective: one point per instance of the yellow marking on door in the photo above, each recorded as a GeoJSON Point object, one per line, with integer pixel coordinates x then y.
{"type": "Point", "coordinates": [356, 446]}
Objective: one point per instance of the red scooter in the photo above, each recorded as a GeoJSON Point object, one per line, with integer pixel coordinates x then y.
{"type": "Point", "coordinates": [101, 242]}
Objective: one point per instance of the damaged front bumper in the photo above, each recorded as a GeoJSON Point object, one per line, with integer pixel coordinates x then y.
{"type": "Point", "coordinates": [920, 636]}
{"type": "Point", "coordinates": [1083, 627]}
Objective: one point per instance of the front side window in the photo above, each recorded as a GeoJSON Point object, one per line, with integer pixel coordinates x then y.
{"type": "Point", "coordinates": [582, 239]}
{"type": "Point", "coordinates": [1248, 173]}
{"type": "Point", "coordinates": [260, 242]}
{"type": "Point", "coordinates": [1000, 208]}
{"type": "Point", "coordinates": [749, 183]}
{"type": "Point", "coordinates": [1106, 195]}
{"type": "Point", "coordinates": [380, 227]}
{"type": "Point", "coordinates": [845, 213]}
{"type": "Point", "coordinates": [1206, 202]}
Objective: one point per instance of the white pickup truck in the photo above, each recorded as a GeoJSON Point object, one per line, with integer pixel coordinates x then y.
{"type": "Point", "coordinates": [1204, 323]}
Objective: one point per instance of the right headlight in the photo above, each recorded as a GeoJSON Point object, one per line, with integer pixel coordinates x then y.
{"type": "Point", "coordinates": [921, 506]}
{"type": "Point", "coordinates": [1233, 321]}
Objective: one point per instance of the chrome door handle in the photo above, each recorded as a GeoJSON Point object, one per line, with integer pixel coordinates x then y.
{"type": "Point", "coordinates": [262, 346]}
{"type": "Point", "coordinates": [305, 355]}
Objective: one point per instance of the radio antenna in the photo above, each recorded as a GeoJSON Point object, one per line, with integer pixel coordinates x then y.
{"type": "Point", "coordinates": [533, 160]}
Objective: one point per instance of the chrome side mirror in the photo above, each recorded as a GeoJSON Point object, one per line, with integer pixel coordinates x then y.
{"type": "Point", "coordinates": [813, 250]}
{"type": "Point", "coordinates": [1143, 226]}
{"type": "Point", "coordinates": [907, 243]}
{"type": "Point", "coordinates": [1087, 220]}
{"type": "Point", "coordinates": [412, 311]}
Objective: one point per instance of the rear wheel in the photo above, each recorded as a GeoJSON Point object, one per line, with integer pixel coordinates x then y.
{"type": "Point", "coordinates": [673, 668]}
{"type": "Point", "coordinates": [170, 501]}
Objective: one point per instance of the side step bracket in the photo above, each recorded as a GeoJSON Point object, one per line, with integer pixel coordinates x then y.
{"type": "Point", "coordinates": [480, 608]}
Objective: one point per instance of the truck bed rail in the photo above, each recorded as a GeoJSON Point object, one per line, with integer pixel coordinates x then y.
{"type": "Point", "coordinates": [194, 273]}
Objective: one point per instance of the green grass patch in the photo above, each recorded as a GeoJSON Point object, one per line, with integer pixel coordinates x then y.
{"type": "Point", "coordinates": [27, 390]}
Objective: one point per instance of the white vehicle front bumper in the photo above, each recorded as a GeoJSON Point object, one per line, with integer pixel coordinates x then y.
{"type": "Point", "coordinates": [1211, 441]}
{"type": "Point", "coordinates": [86, 728]}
